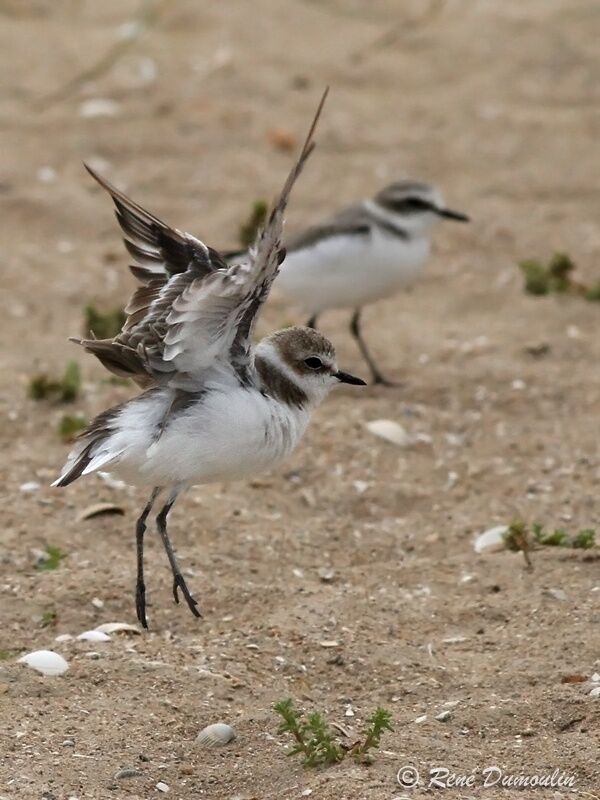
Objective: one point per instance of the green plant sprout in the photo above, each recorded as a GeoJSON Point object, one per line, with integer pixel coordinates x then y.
{"type": "Point", "coordinates": [256, 220]}
{"type": "Point", "coordinates": [65, 390]}
{"type": "Point", "coordinates": [556, 277]}
{"type": "Point", "coordinates": [103, 324]}
{"type": "Point", "coordinates": [70, 425]}
{"type": "Point", "coordinates": [520, 538]}
{"type": "Point", "coordinates": [315, 741]}
{"type": "Point", "coordinates": [52, 559]}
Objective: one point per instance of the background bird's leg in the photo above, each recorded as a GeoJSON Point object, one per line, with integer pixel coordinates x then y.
{"type": "Point", "coordinates": [356, 333]}
{"type": "Point", "coordinates": [140, 587]}
{"type": "Point", "coordinates": [312, 322]}
{"type": "Point", "coordinates": [178, 579]}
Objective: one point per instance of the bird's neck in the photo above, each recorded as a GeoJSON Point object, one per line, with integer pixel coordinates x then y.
{"type": "Point", "coordinates": [278, 383]}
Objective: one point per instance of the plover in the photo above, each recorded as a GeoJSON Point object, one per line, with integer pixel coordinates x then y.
{"type": "Point", "coordinates": [364, 253]}
{"type": "Point", "coordinates": [215, 407]}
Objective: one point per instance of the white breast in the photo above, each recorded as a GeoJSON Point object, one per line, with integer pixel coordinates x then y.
{"type": "Point", "coordinates": [351, 271]}
{"type": "Point", "coordinates": [227, 435]}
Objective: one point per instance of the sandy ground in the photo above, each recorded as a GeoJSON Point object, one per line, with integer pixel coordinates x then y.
{"type": "Point", "coordinates": [497, 103]}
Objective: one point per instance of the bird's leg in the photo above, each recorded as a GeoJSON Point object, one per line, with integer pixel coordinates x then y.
{"type": "Point", "coordinates": [312, 322]}
{"type": "Point", "coordinates": [178, 579]}
{"type": "Point", "coordinates": [140, 588]}
{"type": "Point", "coordinates": [356, 333]}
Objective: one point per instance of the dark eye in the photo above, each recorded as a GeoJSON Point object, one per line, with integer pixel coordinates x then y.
{"type": "Point", "coordinates": [413, 204]}
{"type": "Point", "coordinates": [313, 362]}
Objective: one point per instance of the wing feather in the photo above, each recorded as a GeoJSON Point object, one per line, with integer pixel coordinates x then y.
{"type": "Point", "coordinates": [193, 312]}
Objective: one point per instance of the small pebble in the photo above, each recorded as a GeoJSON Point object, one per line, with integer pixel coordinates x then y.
{"type": "Point", "coordinates": [68, 743]}
{"type": "Point", "coordinates": [162, 786]}
{"type": "Point", "coordinates": [29, 486]}
{"type": "Point", "coordinates": [46, 175]}
{"type": "Point", "coordinates": [98, 107]}
{"type": "Point", "coordinates": [326, 574]}
{"type": "Point", "coordinates": [555, 594]}
{"type": "Point", "coordinates": [421, 719]}
{"type": "Point", "coordinates": [443, 716]}
{"type": "Point", "coordinates": [595, 692]}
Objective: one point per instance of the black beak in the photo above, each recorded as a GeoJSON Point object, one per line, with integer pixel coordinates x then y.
{"type": "Point", "coordinates": [344, 377]}
{"type": "Point", "coordinates": [447, 213]}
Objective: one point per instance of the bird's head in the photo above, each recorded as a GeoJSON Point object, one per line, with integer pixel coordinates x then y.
{"type": "Point", "coordinates": [415, 206]}
{"type": "Point", "coordinates": [298, 365]}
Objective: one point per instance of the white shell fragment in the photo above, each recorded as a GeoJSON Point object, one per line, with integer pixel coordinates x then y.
{"type": "Point", "coordinates": [215, 735]}
{"type": "Point", "coordinates": [492, 540]}
{"type": "Point", "coordinates": [117, 627]}
{"type": "Point", "coordinates": [45, 661]}
{"type": "Point", "coordinates": [29, 486]}
{"type": "Point", "coordinates": [390, 431]}
{"type": "Point", "coordinates": [93, 636]}
{"type": "Point", "coordinates": [595, 692]}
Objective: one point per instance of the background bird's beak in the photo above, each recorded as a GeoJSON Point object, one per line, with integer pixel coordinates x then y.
{"type": "Point", "coordinates": [344, 377]}
{"type": "Point", "coordinates": [455, 215]}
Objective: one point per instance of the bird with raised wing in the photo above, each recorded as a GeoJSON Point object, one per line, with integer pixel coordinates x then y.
{"type": "Point", "coordinates": [215, 407]}
{"type": "Point", "coordinates": [364, 253]}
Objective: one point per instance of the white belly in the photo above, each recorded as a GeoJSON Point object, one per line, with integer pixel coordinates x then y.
{"type": "Point", "coordinates": [351, 271]}
{"type": "Point", "coordinates": [226, 437]}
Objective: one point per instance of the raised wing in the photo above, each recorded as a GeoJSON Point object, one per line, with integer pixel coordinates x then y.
{"type": "Point", "coordinates": [194, 312]}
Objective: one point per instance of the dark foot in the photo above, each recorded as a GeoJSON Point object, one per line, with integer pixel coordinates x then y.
{"type": "Point", "coordinates": [379, 380]}
{"type": "Point", "coordinates": [179, 583]}
{"type": "Point", "coordinates": [140, 605]}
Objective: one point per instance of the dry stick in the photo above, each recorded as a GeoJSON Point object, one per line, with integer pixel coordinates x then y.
{"type": "Point", "coordinates": [409, 25]}
{"type": "Point", "coordinates": [148, 15]}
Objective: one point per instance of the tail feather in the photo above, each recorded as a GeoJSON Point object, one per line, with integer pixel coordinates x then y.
{"type": "Point", "coordinates": [89, 453]}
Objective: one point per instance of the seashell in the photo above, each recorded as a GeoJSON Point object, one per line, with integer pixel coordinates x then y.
{"type": "Point", "coordinates": [390, 431]}
{"type": "Point", "coordinates": [595, 692]}
{"type": "Point", "coordinates": [98, 509]}
{"type": "Point", "coordinates": [127, 772]}
{"type": "Point", "coordinates": [117, 627]}
{"type": "Point", "coordinates": [93, 636]}
{"type": "Point", "coordinates": [63, 637]}
{"type": "Point", "coordinates": [45, 661]}
{"type": "Point", "coordinates": [215, 735]}
{"type": "Point", "coordinates": [492, 540]}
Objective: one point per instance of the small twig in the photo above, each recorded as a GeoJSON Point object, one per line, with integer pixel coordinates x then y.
{"type": "Point", "coordinates": [147, 16]}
